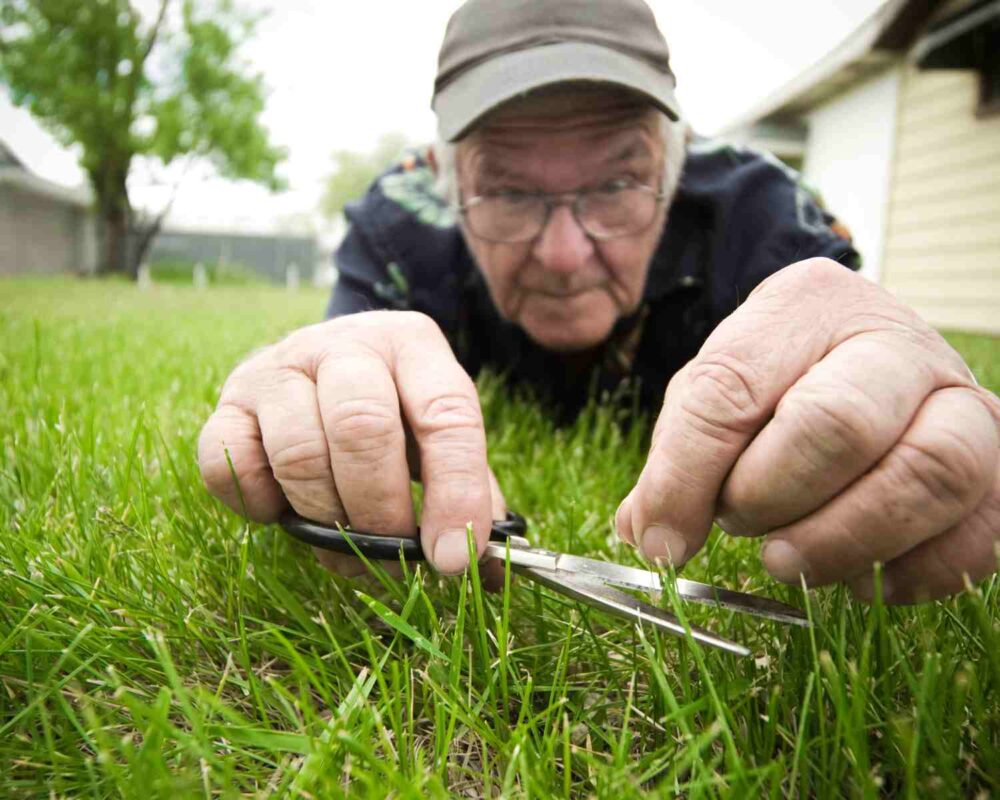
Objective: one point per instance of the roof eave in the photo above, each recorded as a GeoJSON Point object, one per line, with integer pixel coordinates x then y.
{"type": "Point", "coordinates": [870, 48]}
{"type": "Point", "coordinates": [76, 196]}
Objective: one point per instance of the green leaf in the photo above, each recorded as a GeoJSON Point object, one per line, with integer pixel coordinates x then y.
{"type": "Point", "coordinates": [275, 741]}
{"type": "Point", "coordinates": [399, 624]}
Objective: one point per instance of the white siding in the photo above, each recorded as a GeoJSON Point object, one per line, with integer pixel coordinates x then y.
{"type": "Point", "coordinates": [849, 158]}
{"type": "Point", "coordinates": [943, 241]}
{"type": "Point", "coordinates": [39, 233]}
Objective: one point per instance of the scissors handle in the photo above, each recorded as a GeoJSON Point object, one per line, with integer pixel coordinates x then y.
{"type": "Point", "coordinates": [382, 548]}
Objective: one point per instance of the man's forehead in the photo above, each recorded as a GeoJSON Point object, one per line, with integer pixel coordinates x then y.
{"type": "Point", "coordinates": [612, 127]}
{"type": "Point", "coordinates": [503, 160]}
{"type": "Point", "coordinates": [571, 108]}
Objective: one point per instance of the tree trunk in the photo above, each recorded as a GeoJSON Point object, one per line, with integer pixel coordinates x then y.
{"type": "Point", "coordinates": [114, 241]}
{"type": "Point", "coordinates": [115, 215]}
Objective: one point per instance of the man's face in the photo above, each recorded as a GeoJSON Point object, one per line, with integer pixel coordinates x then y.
{"type": "Point", "coordinates": [564, 288]}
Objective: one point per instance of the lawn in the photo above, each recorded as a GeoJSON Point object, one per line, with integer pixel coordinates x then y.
{"type": "Point", "coordinates": [152, 644]}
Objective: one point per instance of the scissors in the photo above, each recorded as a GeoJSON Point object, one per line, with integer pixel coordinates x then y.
{"type": "Point", "coordinates": [596, 583]}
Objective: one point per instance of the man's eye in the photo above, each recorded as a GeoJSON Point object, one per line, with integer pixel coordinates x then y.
{"type": "Point", "coordinates": [513, 197]}
{"type": "Point", "coordinates": [615, 186]}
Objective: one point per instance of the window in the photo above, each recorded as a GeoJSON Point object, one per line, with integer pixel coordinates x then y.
{"type": "Point", "coordinates": [969, 39]}
{"type": "Point", "coordinates": [989, 72]}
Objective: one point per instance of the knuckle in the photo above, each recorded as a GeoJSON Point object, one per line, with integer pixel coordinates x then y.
{"type": "Point", "coordinates": [814, 279]}
{"type": "Point", "coordinates": [367, 428]}
{"type": "Point", "coordinates": [448, 412]}
{"type": "Point", "coordinates": [720, 395]}
{"type": "Point", "coordinates": [302, 349]}
{"type": "Point", "coordinates": [417, 323]}
{"type": "Point", "coordinates": [300, 459]}
{"type": "Point", "coordinates": [382, 324]}
{"type": "Point", "coordinates": [815, 274]}
{"type": "Point", "coordinates": [833, 423]}
{"type": "Point", "coordinates": [945, 468]}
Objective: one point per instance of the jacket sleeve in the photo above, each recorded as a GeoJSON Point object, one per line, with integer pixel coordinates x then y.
{"type": "Point", "coordinates": [769, 221]}
{"type": "Point", "coordinates": [362, 277]}
{"type": "Point", "coordinates": [401, 250]}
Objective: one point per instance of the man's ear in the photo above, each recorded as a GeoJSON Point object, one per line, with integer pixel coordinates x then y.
{"type": "Point", "coordinates": [432, 160]}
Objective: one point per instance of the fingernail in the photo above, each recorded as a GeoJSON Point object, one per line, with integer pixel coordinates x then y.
{"type": "Point", "coordinates": [451, 552]}
{"type": "Point", "coordinates": [784, 562]}
{"type": "Point", "coordinates": [662, 544]}
{"type": "Point", "coordinates": [625, 527]}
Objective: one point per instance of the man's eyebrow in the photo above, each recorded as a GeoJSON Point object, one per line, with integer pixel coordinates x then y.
{"type": "Point", "coordinates": [493, 172]}
{"type": "Point", "coordinates": [490, 171]}
{"type": "Point", "coordinates": [633, 151]}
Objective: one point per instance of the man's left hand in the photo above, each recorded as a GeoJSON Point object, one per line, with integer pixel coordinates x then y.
{"type": "Point", "coordinates": [828, 417]}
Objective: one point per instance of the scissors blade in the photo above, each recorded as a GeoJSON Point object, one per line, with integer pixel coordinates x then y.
{"type": "Point", "coordinates": [647, 581]}
{"type": "Point", "coordinates": [616, 602]}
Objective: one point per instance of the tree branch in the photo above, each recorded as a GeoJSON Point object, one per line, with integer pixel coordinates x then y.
{"type": "Point", "coordinates": [153, 33]}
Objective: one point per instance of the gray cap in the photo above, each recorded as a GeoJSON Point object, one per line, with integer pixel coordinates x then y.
{"type": "Point", "coordinates": [496, 50]}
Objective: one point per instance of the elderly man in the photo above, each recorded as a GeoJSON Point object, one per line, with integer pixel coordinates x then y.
{"type": "Point", "coordinates": [574, 239]}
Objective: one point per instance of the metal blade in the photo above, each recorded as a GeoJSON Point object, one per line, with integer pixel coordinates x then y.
{"type": "Point", "coordinates": [613, 601]}
{"type": "Point", "coordinates": [643, 580]}
{"type": "Point", "coordinates": [647, 581]}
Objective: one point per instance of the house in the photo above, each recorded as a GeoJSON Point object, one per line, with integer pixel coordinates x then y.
{"type": "Point", "coordinates": [48, 228]}
{"type": "Point", "coordinates": [44, 227]}
{"type": "Point", "coordinates": [898, 129]}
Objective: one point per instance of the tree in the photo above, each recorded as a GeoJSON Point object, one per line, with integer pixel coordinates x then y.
{"type": "Point", "coordinates": [353, 172]}
{"type": "Point", "coordinates": [121, 86]}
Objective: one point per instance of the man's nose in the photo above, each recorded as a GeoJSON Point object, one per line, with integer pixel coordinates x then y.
{"type": "Point", "coordinates": [563, 246]}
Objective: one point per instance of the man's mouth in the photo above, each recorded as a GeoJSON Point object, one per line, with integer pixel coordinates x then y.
{"type": "Point", "coordinates": [561, 294]}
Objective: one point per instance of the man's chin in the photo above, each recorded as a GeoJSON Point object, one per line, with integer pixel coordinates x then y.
{"type": "Point", "coordinates": [567, 338]}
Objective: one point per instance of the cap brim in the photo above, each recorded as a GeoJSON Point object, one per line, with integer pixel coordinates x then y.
{"type": "Point", "coordinates": [484, 87]}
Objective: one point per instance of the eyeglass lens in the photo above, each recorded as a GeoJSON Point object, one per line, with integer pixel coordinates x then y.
{"type": "Point", "coordinates": [602, 214]}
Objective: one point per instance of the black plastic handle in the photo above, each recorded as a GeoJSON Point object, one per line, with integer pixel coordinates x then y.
{"type": "Point", "coordinates": [382, 548]}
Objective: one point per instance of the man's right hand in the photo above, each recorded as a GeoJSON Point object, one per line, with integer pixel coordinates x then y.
{"type": "Point", "coordinates": [321, 421]}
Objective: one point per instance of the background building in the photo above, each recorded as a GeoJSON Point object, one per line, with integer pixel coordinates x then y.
{"type": "Point", "coordinates": [899, 131]}
{"type": "Point", "coordinates": [268, 255]}
{"type": "Point", "coordinates": [44, 226]}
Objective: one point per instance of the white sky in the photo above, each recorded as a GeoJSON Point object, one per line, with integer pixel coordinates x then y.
{"type": "Point", "coordinates": [342, 72]}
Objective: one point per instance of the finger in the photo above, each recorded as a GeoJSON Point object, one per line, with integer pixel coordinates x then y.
{"type": "Point", "coordinates": [295, 442]}
{"type": "Point", "coordinates": [938, 472]}
{"type": "Point", "coordinates": [716, 405]}
{"type": "Point", "coordinates": [234, 430]}
{"type": "Point", "coordinates": [361, 419]}
{"type": "Point", "coordinates": [623, 520]}
{"type": "Point", "coordinates": [940, 566]}
{"type": "Point", "coordinates": [442, 408]}
{"type": "Point", "coordinates": [829, 428]}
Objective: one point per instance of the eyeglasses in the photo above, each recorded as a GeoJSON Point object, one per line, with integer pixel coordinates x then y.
{"type": "Point", "coordinates": [613, 210]}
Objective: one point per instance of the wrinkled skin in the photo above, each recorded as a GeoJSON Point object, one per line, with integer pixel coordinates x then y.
{"type": "Point", "coordinates": [822, 414]}
{"type": "Point", "coordinates": [565, 289]}
{"type": "Point", "coordinates": [828, 417]}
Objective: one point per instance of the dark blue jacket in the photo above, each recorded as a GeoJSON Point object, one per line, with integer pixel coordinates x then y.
{"type": "Point", "coordinates": [738, 217]}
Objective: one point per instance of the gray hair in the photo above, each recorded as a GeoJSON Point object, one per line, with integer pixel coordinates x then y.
{"type": "Point", "coordinates": [675, 136]}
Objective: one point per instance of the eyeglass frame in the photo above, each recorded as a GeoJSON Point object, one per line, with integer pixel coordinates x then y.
{"type": "Point", "coordinates": [554, 199]}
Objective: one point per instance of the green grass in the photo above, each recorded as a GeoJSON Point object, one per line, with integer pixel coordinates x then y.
{"type": "Point", "coordinates": [154, 645]}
